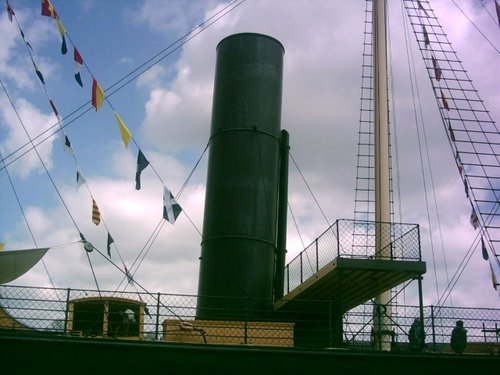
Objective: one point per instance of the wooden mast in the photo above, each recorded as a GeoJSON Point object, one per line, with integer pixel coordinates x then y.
{"type": "Point", "coordinates": [382, 313]}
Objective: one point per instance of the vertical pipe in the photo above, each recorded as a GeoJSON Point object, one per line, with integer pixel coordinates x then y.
{"type": "Point", "coordinates": [157, 316]}
{"type": "Point", "coordinates": [382, 322]}
{"type": "Point", "coordinates": [66, 312]}
{"type": "Point", "coordinates": [282, 216]}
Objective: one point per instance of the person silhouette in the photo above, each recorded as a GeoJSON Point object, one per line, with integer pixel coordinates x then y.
{"type": "Point", "coordinates": [459, 337]}
{"type": "Point", "coordinates": [416, 336]}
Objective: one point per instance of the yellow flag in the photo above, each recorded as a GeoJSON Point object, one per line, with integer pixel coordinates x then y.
{"type": "Point", "coordinates": [62, 30]}
{"type": "Point", "coordinates": [124, 132]}
{"type": "Point", "coordinates": [1, 246]}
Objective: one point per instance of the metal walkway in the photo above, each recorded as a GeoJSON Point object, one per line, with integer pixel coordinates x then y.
{"type": "Point", "coordinates": [335, 268]}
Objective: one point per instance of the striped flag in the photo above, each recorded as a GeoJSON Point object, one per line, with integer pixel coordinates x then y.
{"type": "Point", "coordinates": [97, 95]}
{"type": "Point", "coordinates": [78, 66]}
{"type": "Point", "coordinates": [96, 215]}
{"type": "Point", "coordinates": [124, 132]}
{"type": "Point", "coordinates": [171, 209]}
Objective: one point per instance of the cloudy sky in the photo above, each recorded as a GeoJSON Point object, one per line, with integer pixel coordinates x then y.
{"type": "Point", "coordinates": [168, 108]}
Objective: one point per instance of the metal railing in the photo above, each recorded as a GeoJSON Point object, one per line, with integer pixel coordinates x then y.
{"type": "Point", "coordinates": [172, 318]}
{"type": "Point", "coordinates": [353, 239]}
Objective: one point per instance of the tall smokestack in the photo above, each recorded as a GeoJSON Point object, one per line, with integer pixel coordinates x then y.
{"type": "Point", "coordinates": [239, 230]}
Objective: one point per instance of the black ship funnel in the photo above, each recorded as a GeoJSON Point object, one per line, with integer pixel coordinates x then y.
{"type": "Point", "coordinates": [238, 250]}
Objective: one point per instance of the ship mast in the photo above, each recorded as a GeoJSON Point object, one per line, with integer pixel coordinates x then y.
{"type": "Point", "coordinates": [382, 313]}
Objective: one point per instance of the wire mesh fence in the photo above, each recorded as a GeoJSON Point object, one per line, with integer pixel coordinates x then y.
{"type": "Point", "coordinates": [172, 318]}
{"type": "Point", "coordinates": [354, 239]}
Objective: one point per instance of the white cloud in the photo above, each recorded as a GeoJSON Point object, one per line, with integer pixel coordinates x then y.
{"type": "Point", "coordinates": [321, 111]}
{"type": "Point", "coordinates": [34, 122]}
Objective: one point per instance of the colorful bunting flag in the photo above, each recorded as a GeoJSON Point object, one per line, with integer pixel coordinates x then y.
{"type": "Point", "coordinates": [130, 279]}
{"type": "Point", "coordinates": [54, 108]}
{"type": "Point", "coordinates": [474, 220]}
{"type": "Point", "coordinates": [97, 95]}
{"type": "Point", "coordinates": [483, 248]}
{"type": "Point", "coordinates": [124, 132]}
{"type": "Point", "coordinates": [445, 101]}
{"type": "Point", "coordinates": [25, 41]}
{"type": "Point", "coordinates": [494, 280]}
{"type": "Point", "coordinates": [38, 73]}
{"type": "Point", "coordinates": [452, 133]}
{"type": "Point", "coordinates": [142, 163]}
{"type": "Point", "coordinates": [109, 242]}
{"type": "Point", "coordinates": [62, 30]}
{"type": "Point", "coordinates": [48, 10]}
{"type": "Point", "coordinates": [426, 36]}
{"type": "Point", "coordinates": [79, 180]}
{"type": "Point", "coordinates": [78, 66]}
{"type": "Point", "coordinates": [437, 70]}
{"type": "Point", "coordinates": [67, 145]}
{"type": "Point", "coordinates": [171, 209]}
{"type": "Point", "coordinates": [10, 11]}
{"type": "Point", "coordinates": [422, 7]}
{"type": "Point", "coordinates": [497, 7]}
{"type": "Point", "coordinates": [96, 215]}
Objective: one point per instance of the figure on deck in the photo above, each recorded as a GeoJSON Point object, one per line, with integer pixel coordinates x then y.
{"type": "Point", "coordinates": [459, 337]}
{"type": "Point", "coordinates": [416, 336]}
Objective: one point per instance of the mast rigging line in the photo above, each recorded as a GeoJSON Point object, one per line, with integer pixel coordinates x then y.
{"type": "Point", "coordinates": [156, 59]}
{"type": "Point", "coordinates": [179, 42]}
{"type": "Point", "coordinates": [47, 172]}
{"type": "Point", "coordinates": [423, 145]}
{"type": "Point", "coordinates": [475, 26]}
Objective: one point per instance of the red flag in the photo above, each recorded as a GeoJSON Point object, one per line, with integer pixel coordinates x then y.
{"type": "Point", "coordinates": [10, 11]}
{"type": "Point", "coordinates": [78, 66]}
{"type": "Point", "coordinates": [96, 215]}
{"type": "Point", "coordinates": [48, 9]}
{"type": "Point", "coordinates": [97, 95]}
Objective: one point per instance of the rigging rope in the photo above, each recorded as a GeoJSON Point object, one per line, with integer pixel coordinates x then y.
{"type": "Point", "coordinates": [184, 39]}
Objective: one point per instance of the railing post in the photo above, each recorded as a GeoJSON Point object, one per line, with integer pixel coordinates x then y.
{"type": "Point", "coordinates": [287, 279]}
{"type": "Point", "coordinates": [338, 237]}
{"type": "Point", "coordinates": [157, 316]}
{"type": "Point", "coordinates": [317, 254]}
{"type": "Point", "coordinates": [301, 271]}
{"type": "Point", "coordinates": [66, 312]}
{"type": "Point", "coordinates": [433, 329]}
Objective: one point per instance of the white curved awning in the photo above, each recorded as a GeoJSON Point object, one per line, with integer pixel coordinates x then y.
{"type": "Point", "coordinates": [16, 263]}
